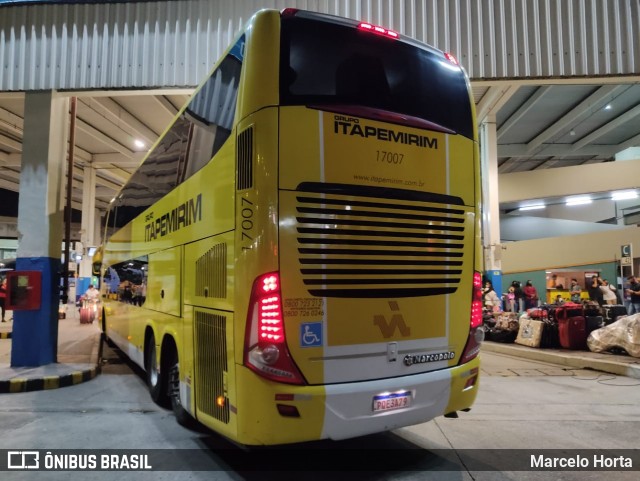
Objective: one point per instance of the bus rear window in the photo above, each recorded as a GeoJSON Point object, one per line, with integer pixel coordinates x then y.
{"type": "Point", "coordinates": [324, 63]}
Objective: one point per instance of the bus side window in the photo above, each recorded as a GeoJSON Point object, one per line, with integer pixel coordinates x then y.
{"type": "Point", "coordinates": [212, 112]}
{"type": "Point", "coordinates": [127, 281]}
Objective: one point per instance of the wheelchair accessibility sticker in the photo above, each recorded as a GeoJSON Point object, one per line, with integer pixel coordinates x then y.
{"type": "Point", "coordinates": [311, 334]}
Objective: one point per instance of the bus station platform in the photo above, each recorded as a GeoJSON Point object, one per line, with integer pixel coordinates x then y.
{"type": "Point", "coordinates": [619, 364]}
{"type": "Point", "coordinates": [79, 353]}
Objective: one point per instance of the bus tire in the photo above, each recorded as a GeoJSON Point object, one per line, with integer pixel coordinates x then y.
{"type": "Point", "coordinates": [173, 390]}
{"type": "Point", "coordinates": [155, 378]}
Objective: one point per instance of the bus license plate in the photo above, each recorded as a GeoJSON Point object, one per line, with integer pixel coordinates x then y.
{"type": "Point", "coordinates": [388, 402]}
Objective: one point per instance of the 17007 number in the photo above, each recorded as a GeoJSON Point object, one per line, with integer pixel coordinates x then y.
{"type": "Point", "coordinates": [389, 157]}
{"type": "Point", "coordinates": [247, 223]}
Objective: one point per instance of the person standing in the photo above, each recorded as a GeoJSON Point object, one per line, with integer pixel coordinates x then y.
{"type": "Point", "coordinates": [519, 296]}
{"type": "Point", "coordinates": [626, 297]}
{"type": "Point", "coordinates": [491, 299]}
{"type": "Point", "coordinates": [595, 294]}
{"type": "Point", "coordinates": [634, 293]}
{"type": "Point", "coordinates": [92, 294]}
{"type": "Point", "coordinates": [511, 299]}
{"type": "Point", "coordinates": [530, 296]}
{"type": "Point", "coordinates": [3, 297]}
{"type": "Point", "coordinates": [608, 292]}
{"type": "Point", "coordinates": [575, 291]}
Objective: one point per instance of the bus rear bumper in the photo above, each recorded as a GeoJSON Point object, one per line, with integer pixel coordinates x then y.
{"type": "Point", "coordinates": [349, 408]}
{"type": "Point", "coordinates": [346, 410]}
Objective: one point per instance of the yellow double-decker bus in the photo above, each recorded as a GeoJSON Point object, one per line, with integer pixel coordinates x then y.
{"type": "Point", "coordinates": [297, 258]}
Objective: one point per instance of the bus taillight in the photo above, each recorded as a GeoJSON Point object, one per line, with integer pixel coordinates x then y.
{"type": "Point", "coordinates": [265, 349]}
{"type": "Point", "coordinates": [476, 303]}
{"type": "Point", "coordinates": [476, 334]}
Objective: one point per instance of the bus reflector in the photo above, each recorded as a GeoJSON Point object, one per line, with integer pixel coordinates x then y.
{"type": "Point", "coordinates": [266, 350]}
{"type": "Point", "coordinates": [377, 29]}
{"type": "Point", "coordinates": [288, 411]}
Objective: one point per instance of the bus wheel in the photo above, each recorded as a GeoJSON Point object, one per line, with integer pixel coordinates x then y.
{"type": "Point", "coordinates": [182, 415]}
{"type": "Point", "coordinates": [154, 376]}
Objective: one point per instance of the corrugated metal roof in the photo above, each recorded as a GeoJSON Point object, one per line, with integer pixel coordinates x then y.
{"type": "Point", "coordinates": [175, 43]}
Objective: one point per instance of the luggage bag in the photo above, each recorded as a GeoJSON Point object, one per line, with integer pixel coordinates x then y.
{"type": "Point", "coordinates": [550, 336]}
{"type": "Point", "coordinates": [593, 323]}
{"type": "Point", "coordinates": [572, 326]}
{"type": "Point", "coordinates": [612, 312]}
{"type": "Point", "coordinates": [501, 335]}
{"type": "Point", "coordinates": [573, 332]}
{"type": "Point", "coordinates": [530, 332]}
{"type": "Point", "coordinates": [86, 315]}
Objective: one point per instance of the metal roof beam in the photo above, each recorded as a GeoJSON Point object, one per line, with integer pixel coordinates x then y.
{"type": "Point", "coordinates": [166, 105]}
{"type": "Point", "coordinates": [11, 143]}
{"type": "Point", "coordinates": [494, 99]}
{"type": "Point", "coordinates": [11, 122]}
{"type": "Point", "coordinates": [557, 150]}
{"type": "Point", "coordinates": [571, 117]}
{"type": "Point", "coordinates": [107, 161]}
{"type": "Point", "coordinates": [626, 117]}
{"type": "Point", "coordinates": [118, 116]}
{"type": "Point", "coordinates": [542, 183]}
{"type": "Point", "coordinates": [523, 109]}
{"type": "Point", "coordinates": [105, 139]}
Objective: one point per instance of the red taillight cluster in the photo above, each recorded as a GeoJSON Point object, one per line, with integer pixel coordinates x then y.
{"type": "Point", "coordinates": [266, 350]}
{"type": "Point", "coordinates": [377, 29]}
{"type": "Point", "coordinates": [270, 323]}
{"type": "Point", "coordinates": [476, 335]}
{"type": "Point", "coordinates": [476, 303]}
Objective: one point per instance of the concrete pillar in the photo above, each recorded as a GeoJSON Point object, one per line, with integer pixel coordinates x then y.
{"type": "Point", "coordinates": [40, 224]}
{"type": "Point", "coordinates": [490, 202]}
{"type": "Point", "coordinates": [87, 228]}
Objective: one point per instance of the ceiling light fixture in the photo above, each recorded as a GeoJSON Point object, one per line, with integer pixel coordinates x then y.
{"type": "Point", "coordinates": [572, 133]}
{"type": "Point", "coordinates": [139, 143]}
{"type": "Point", "coordinates": [624, 195]}
{"type": "Point", "coordinates": [532, 207]}
{"type": "Point", "coordinates": [607, 107]}
{"type": "Point", "coordinates": [579, 201]}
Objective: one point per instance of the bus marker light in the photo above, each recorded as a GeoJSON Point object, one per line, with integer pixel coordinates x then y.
{"type": "Point", "coordinates": [367, 27]}
{"type": "Point", "coordinates": [220, 401]}
{"type": "Point", "coordinates": [451, 58]}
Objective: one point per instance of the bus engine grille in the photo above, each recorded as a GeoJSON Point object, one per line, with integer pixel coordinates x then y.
{"type": "Point", "coordinates": [372, 242]}
{"type": "Point", "coordinates": [211, 359]}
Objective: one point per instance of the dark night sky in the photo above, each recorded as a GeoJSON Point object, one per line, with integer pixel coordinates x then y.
{"type": "Point", "coordinates": [9, 206]}
{"type": "Point", "coordinates": [8, 203]}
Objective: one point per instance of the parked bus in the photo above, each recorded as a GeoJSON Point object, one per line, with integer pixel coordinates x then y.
{"type": "Point", "coordinates": [297, 258]}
